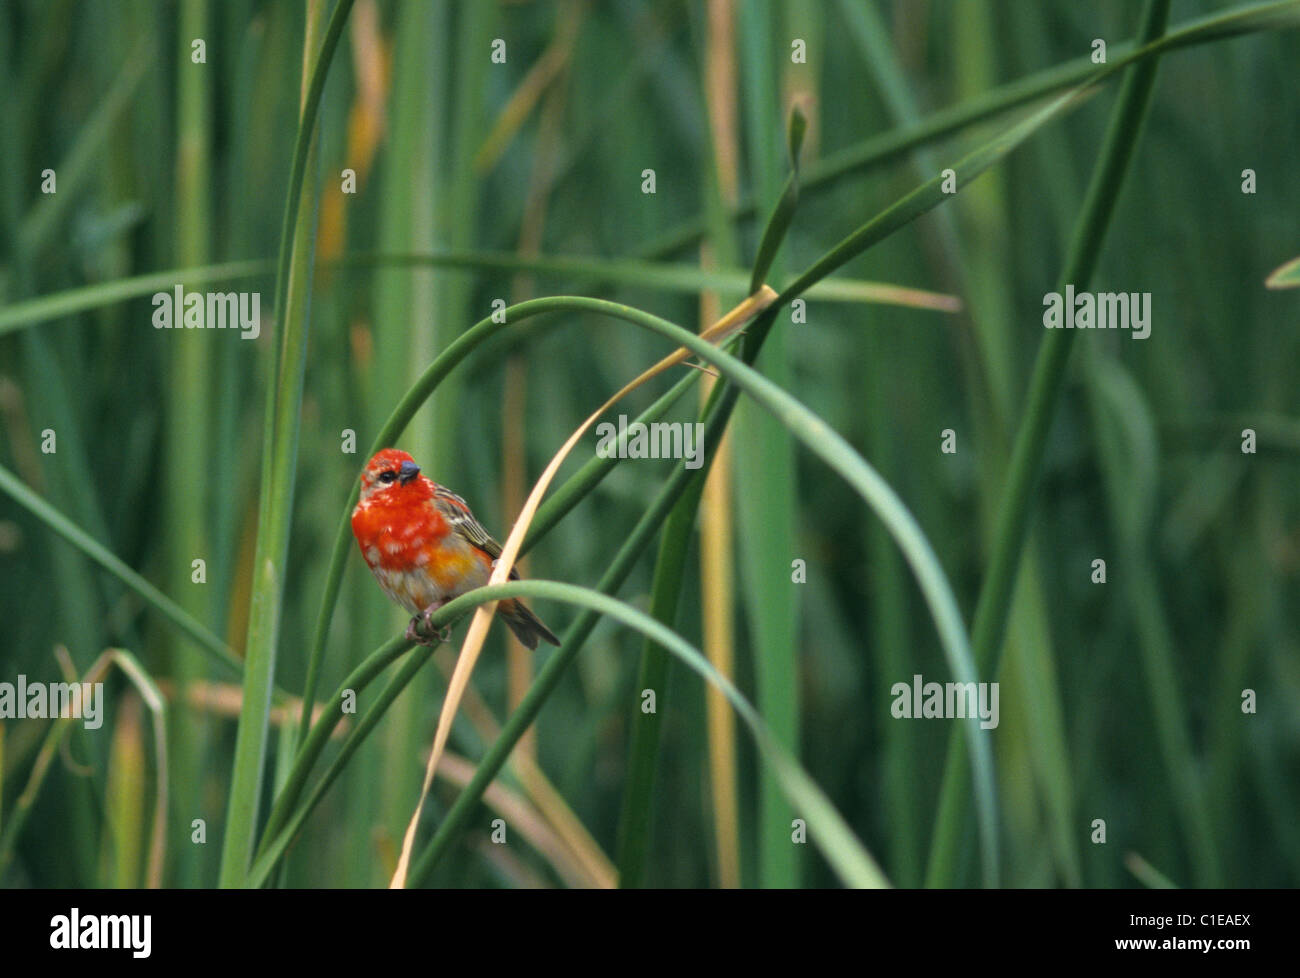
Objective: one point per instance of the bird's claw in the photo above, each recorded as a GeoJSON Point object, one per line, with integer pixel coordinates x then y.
{"type": "Point", "coordinates": [421, 630]}
{"type": "Point", "coordinates": [413, 633]}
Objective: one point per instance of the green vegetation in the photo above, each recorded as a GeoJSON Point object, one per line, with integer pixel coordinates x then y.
{"type": "Point", "coordinates": [467, 225]}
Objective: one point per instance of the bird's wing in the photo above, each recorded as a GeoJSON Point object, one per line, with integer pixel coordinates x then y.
{"type": "Point", "coordinates": [458, 516]}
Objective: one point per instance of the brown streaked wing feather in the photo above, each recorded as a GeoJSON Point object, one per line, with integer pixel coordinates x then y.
{"type": "Point", "coordinates": [458, 516]}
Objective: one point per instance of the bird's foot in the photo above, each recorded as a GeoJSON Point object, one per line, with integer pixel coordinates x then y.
{"type": "Point", "coordinates": [413, 633]}
{"type": "Point", "coordinates": [421, 630]}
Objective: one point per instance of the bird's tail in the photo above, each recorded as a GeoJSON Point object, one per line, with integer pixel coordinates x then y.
{"type": "Point", "coordinates": [528, 628]}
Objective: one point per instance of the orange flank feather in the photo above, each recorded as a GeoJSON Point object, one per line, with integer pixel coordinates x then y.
{"type": "Point", "coordinates": [425, 547]}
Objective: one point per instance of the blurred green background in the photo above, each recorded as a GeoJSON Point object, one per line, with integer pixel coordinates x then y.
{"type": "Point", "coordinates": [1119, 701]}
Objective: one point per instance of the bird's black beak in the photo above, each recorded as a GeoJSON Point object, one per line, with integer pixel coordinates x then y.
{"type": "Point", "coordinates": [407, 472]}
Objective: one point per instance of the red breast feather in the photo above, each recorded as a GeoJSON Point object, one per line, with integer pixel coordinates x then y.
{"type": "Point", "coordinates": [411, 551]}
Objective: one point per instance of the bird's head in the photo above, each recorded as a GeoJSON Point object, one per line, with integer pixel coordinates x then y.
{"type": "Point", "coordinates": [389, 474]}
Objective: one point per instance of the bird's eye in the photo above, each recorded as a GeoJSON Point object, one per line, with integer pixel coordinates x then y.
{"type": "Point", "coordinates": [387, 477]}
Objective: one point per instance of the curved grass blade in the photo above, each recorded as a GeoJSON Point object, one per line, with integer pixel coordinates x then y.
{"type": "Point", "coordinates": [568, 496]}
{"type": "Point", "coordinates": [837, 453]}
{"type": "Point", "coordinates": [501, 567]}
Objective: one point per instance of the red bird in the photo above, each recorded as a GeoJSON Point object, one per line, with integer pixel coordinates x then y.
{"type": "Point", "coordinates": [424, 546]}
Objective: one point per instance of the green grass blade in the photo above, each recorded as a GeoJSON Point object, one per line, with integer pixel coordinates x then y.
{"type": "Point", "coordinates": [652, 674]}
{"type": "Point", "coordinates": [766, 494]}
{"type": "Point", "coordinates": [658, 276]}
{"type": "Point", "coordinates": [188, 457]}
{"type": "Point", "coordinates": [279, 463]}
{"type": "Point", "coordinates": [783, 213]}
{"type": "Point", "coordinates": [284, 826]}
